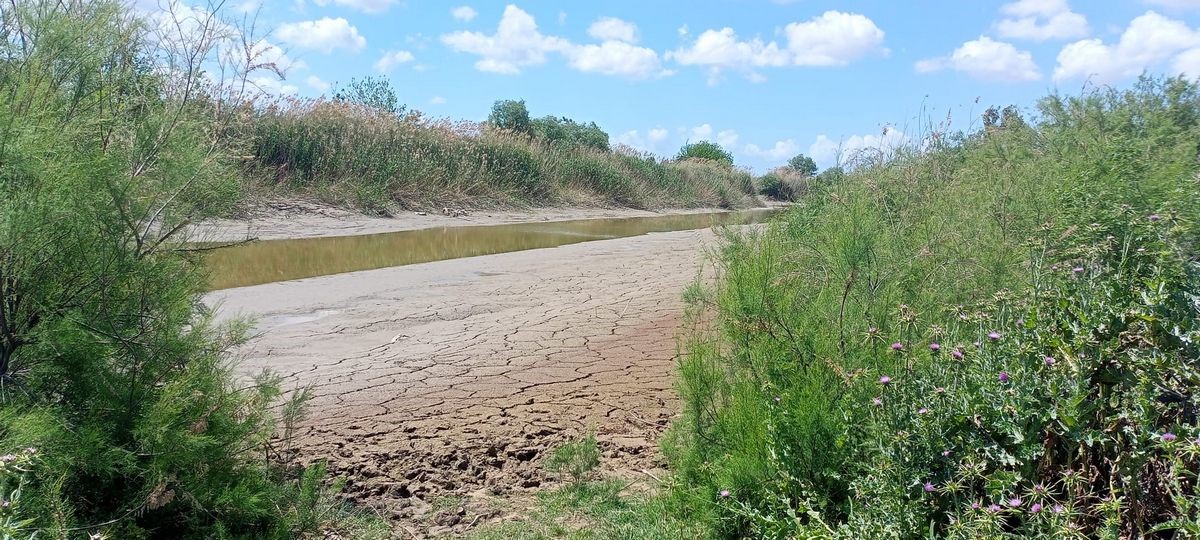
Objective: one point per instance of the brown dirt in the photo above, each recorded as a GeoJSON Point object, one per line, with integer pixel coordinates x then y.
{"type": "Point", "coordinates": [438, 388]}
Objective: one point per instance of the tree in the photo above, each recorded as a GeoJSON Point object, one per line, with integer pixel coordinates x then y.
{"type": "Point", "coordinates": [705, 150]}
{"type": "Point", "coordinates": [372, 92]}
{"type": "Point", "coordinates": [803, 165]}
{"type": "Point", "coordinates": [567, 132]}
{"type": "Point", "coordinates": [511, 115]}
{"type": "Point", "coordinates": [109, 147]}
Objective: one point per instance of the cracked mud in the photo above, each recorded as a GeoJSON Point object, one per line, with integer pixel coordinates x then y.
{"type": "Point", "coordinates": [452, 380]}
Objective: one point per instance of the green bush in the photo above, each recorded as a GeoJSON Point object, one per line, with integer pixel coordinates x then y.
{"type": "Point", "coordinates": [780, 436]}
{"type": "Point", "coordinates": [111, 369]}
{"type": "Point", "coordinates": [705, 150]}
{"type": "Point", "coordinates": [567, 132]}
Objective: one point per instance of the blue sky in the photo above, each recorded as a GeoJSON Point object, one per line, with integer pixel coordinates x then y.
{"type": "Point", "coordinates": [767, 78]}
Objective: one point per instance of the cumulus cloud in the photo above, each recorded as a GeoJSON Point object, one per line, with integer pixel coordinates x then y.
{"type": "Point", "coordinates": [615, 58]}
{"type": "Point", "coordinates": [828, 152]}
{"type": "Point", "coordinates": [613, 29]}
{"type": "Point", "coordinates": [702, 132]}
{"type": "Point", "coordinates": [781, 150]}
{"type": "Point", "coordinates": [323, 35]}
{"type": "Point", "coordinates": [365, 6]}
{"type": "Point", "coordinates": [464, 13]}
{"type": "Point", "coordinates": [727, 138]}
{"type": "Point", "coordinates": [1149, 41]}
{"type": "Point", "coordinates": [645, 143]}
{"type": "Point", "coordinates": [831, 39]}
{"type": "Point", "coordinates": [1041, 20]}
{"type": "Point", "coordinates": [517, 44]}
{"type": "Point", "coordinates": [391, 59]}
{"type": "Point", "coordinates": [437, 100]}
{"type": "Point", "coordinates": [986, 59]}
{"type": "Point", "coordinates": [316, 83]}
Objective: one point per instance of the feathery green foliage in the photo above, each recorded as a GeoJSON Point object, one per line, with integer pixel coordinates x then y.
{"type": "Point", "coordinates": [109, 366]}
{"type": "Point", "coordinates": [969, 236]}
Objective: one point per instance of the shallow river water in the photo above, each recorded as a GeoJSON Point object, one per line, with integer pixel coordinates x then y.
{"type": "Point", "coordinates": [269, 261]}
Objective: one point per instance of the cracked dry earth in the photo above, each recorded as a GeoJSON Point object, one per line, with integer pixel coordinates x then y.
{"type": "Point", "coordinates": [451, 381]}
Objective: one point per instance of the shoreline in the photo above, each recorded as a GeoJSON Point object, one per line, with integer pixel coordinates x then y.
{"type": "Point", "coordinates": [295, 218]}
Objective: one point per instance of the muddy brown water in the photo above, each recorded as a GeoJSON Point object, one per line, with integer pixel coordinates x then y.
{"type": "Point", "coordinates": [270, 261]}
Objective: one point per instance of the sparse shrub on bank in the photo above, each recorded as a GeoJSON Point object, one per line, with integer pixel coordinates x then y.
{"type": "Point", "coordinates": [991, 337]}
{"type": "Point", "coordinates": [705, 150]}
{"type": "Point", "coordinates": [343, 153]}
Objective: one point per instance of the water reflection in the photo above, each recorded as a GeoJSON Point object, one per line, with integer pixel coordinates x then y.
{"type": "Point", "coordinates": [280, 260]}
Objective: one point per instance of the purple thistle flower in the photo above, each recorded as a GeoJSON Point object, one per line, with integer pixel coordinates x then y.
{"type": "Point", "coordinates": [1058, 509]}
{"type": "Point", "coordinates": [975, 506]}
{"type": "Point", "coordinates": [885, 380]}
{"type": "Point", "coordinates": [929, 487]}
{"type": "Point", "coordinates": [1015, 502]}
{"type": "Point", "coordinates": [1077, 269]}
{"type": "Point", "coordinates": [897, 346]}
{"type": "Point", "coordinates": [945, 453]}
{"type": "Point", "coordinates": [1049, 360]}
{"type": "Point", "coordinates": [993, 508]}
{"type": "Point", "coordinates": [724, 493]}
{"type": "Point", "coordinates": [877, 402]}
{"type": "Point", "coordinates": [1003, 376]}
{"type": "Point", "coordinates": [1168, 437]}
{"type": "Point", "coordinates": [957, 354]}
{"type": "Point", "coordinates": [1153, 217]}
{"type": "Point", "coordinates": [935, 347]}
{"type": "Point", "coordinates": [922, 410]}
{"type": "Point", "coordinates": [993, 335]}
{"type": "Point", "coordinates": [7, 458]}
{"type": "Point", "coordinates": [1037, 507]}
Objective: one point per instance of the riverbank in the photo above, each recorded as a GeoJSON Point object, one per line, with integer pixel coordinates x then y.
{"type": "Point", "coordinates": [438, 388]}
{"type": "Point", "coordinates": [299, 218]}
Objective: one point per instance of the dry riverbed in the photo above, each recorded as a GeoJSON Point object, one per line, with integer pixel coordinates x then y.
{"type": "Point", "coordinates": [438, 388]}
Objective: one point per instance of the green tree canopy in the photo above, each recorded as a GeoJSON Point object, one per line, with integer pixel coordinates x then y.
{"type": "Point", "coordinates": [803, 165]}
{"type": "Point", "coordinates": [511, 115]}
{"type": "Point", "coordinates": [374, 92]}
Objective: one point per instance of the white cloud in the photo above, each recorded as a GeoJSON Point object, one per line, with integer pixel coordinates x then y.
{"type": "Point", "coordinates": [648, 143]}
{"type": "Point", "coordinates": [727, 138]}
{"type": "Point", "coordinates": [1041, 20]}
{"type": "Point", "coordinates": [464, 13]}
{"type": "Point", "coordinates": [1149, 40]}
{"type": "Point", "coordinates": [391, 59]}
{"type": "Point", "coordinates": [365, 6]}
{"type": "Point", "coordinates": [986, 59]}
{"type": "Point", "coordinates": [702, 131]}
{"type": "Point", "coordinates": [828, 152]}
{"type": "Point", "coordinates": [316, 83]}
{"type": "Point", "coordinates": [1176, 4]}
{"type": "Point", "coordinates": [516, 44]}
{"type": "Point", "coordinates": [682, 30]}
{"type": "Point", "coordinates": [615, 58]}
{"type": "Point", "coordinates": [324, 35]}
{"type": "Point", "coordinates": [437, 100]}
{"type": "Point", "coordinates": [613, 29]}
{"type": "Point", "coordinates": [781, 150]}
{"type": "Point", "coordinates": [657, 134]}
{"type": "Point", "coordinates": [832, 39]}
{"type": "Point", "coordinates": [272, 85]}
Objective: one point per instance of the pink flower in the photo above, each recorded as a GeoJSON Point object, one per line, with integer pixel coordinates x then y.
{"type": "Point", "coordinates": [922, 410]}
{"type": "Point", "coordinates": [885, 380]}
{"type": "Point", "coordinates": [1003, 376]}
{"type": "Point", "coordinates": [957, 354]}
{"type": "Point", "coordinates": [993, 335]}
{"type": "Point", "coordinates": [935, 347]}
{"type": "Point", "coordinates": [897, 346]}
{"type": "Point", "coordinates": [929, 487]}
{"type": "Point", "coordinates": [724, 493]}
